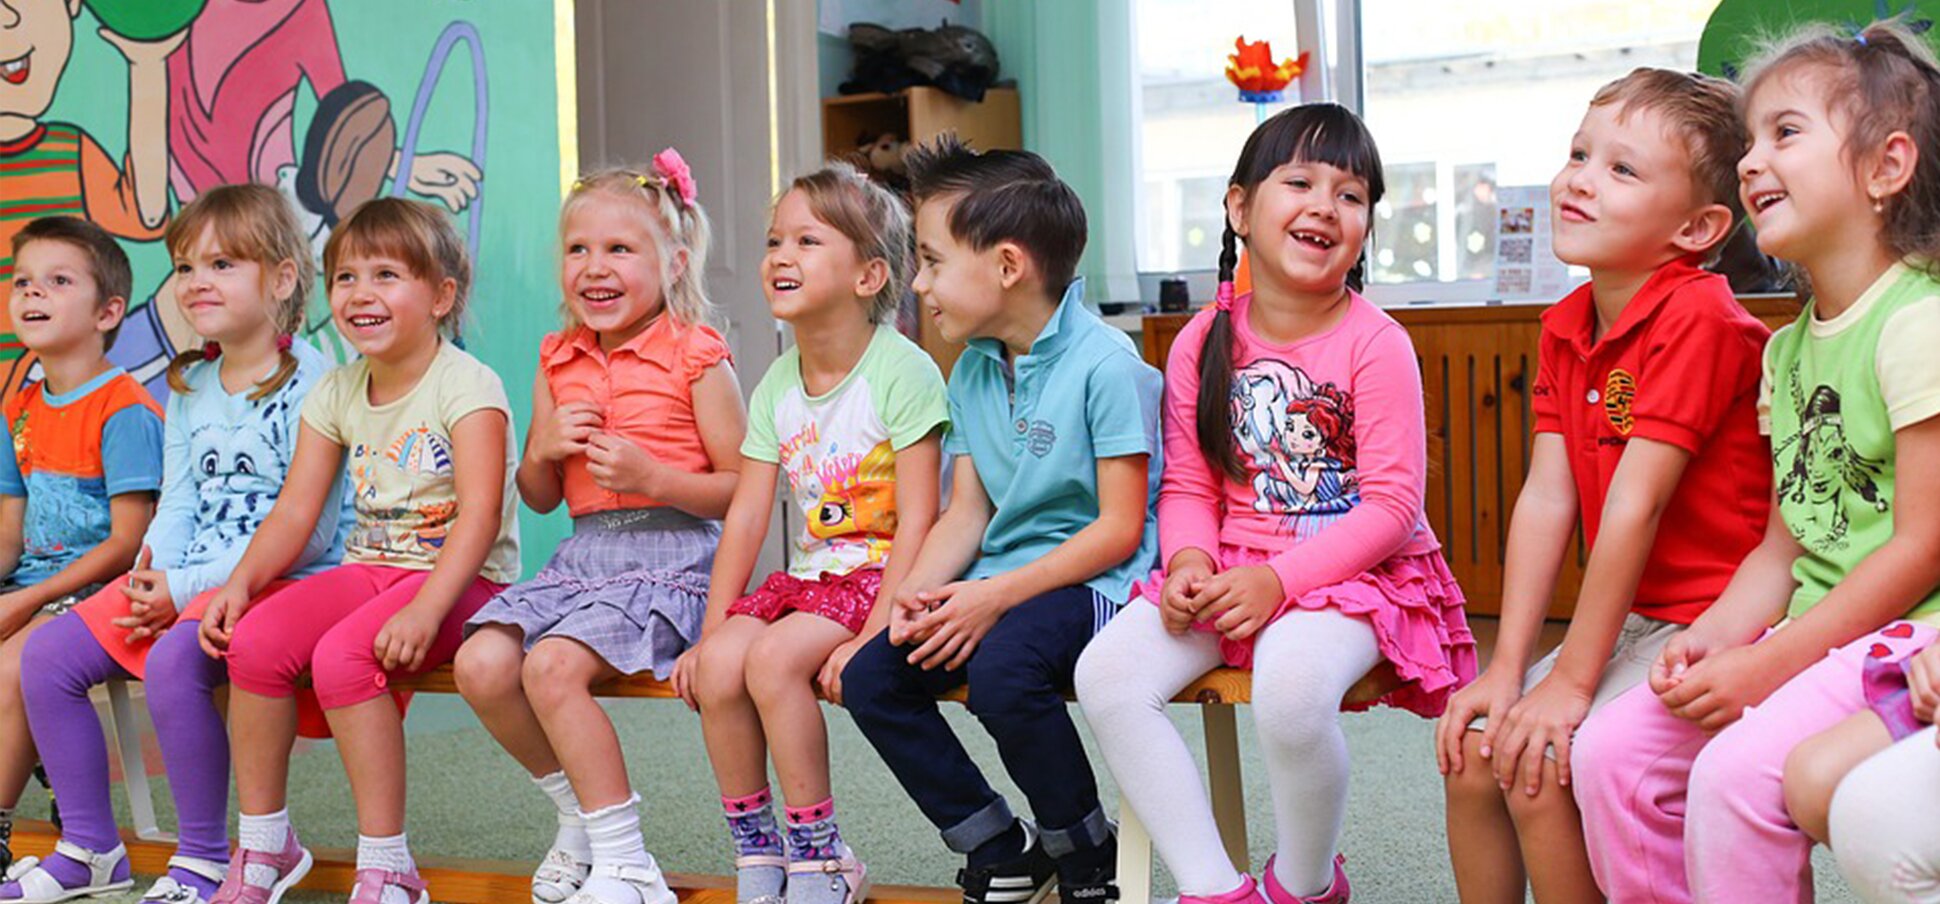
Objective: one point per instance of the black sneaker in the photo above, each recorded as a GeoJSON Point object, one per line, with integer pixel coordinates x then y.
{"type": "Point", "coordinates": [6, 845]}
{"type": "Point", "coordinates": [1028, 879]}
{"type": "Point", "coordinates": [1087, 883]}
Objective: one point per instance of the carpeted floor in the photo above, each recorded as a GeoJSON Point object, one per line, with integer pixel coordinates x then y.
{"type": "Point", "coordinates": [469, 799]}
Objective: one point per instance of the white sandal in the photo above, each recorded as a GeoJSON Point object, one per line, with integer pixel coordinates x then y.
{"type": "Point", "coordinates": [558, 877]}
{"type": "Point", "coordinates": [775, 861]}
{"type": "Point", "coordinates": [647, 882]}
{"type": "Point", "coordinates": [847, 868]}
{"type": "Point", "coordinates": [168, 891]}
{"type": "Point", "coordinates": [38, 886]}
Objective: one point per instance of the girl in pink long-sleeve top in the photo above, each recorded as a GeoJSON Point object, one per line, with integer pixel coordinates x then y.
{"type": "Point", "coordinates": [1290, 521]}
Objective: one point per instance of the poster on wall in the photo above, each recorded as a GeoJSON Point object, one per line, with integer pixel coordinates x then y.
{"type": "Point", "coordinates": [121, 111]}
{"type": "Point", "coordinates": [1525, 264]}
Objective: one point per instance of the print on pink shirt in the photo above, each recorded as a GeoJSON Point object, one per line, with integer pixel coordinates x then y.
{"type": "Point", "coordinates": [1300, 436]}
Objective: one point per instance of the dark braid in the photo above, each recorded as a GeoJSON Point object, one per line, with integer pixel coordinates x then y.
{"type": "Point", "coordinates": [1212, 410]}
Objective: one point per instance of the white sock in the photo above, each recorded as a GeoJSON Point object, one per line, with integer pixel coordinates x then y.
{"type": "Point", "coordinates": [267, 833]}
{"type": "Point", "coordinates": [571, 836]}
{"type": "Point", "coordinates": [615, 835]}
{"type": "Point", "coordinates": [391, 853]}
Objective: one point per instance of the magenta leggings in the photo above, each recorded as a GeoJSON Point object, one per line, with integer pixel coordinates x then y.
{"type": "Point", "coordinates": [325, 625]}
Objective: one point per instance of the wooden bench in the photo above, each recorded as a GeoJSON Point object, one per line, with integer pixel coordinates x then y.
{"type": "Point", "coordinates": [466, 881]}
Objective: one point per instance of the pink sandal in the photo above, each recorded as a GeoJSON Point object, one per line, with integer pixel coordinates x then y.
{"type": "Point", "coordinates": [1248, 892]}
{"type": "Point", "coordinates": [370, 884]}
{"type": "Point", "coordinates": [291, 865]}
{"type": "Point", "coordinates": [1336, 892]}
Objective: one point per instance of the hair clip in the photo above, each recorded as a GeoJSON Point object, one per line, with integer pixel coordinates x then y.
{"type": "Point", "coordinates": [579, 185]}
{"type": "Point", "coordinates": [674, 174]}
{"type": "Point", "coordinates": [640, 180]}
{"type": "Point", "coordinates": [211, 350]}
{"type": "Point", "coordinates": [284, 341]}
{"type": "Point", "coordinates": [1223, 299]}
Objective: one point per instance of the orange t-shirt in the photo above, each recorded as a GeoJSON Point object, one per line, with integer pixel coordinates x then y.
{"type": "Point", "coordinates": [644, 391]}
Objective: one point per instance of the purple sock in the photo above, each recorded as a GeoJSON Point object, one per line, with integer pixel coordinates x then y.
{"type": "Point", "coordinates": [60, 664]}
{"type": "Point", "coordinates": [182, 682]}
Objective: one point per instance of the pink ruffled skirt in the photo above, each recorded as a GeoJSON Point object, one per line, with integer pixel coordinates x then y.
{"type": "Point", "coordinates": [1411, 601]}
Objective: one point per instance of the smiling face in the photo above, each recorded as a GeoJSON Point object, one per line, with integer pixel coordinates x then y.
{"type": "Point", "coordinates": [1303, 225]}
{"type": "Point", "coordinates": [810, 267]}
{"type": "Point", "coordinates": [384, 310]}
{"type": "Point", "coordinates": [1801, 189]}
{"type": "Point", "coordinates": [961, 288]}
{"type": "Point", "coordinates": [610, 273]}
{"type": "Point", "coordinates": [1625, 191]}
{"type": "Point", "coordinates": [225, 297]}
{"type": "Point", "coordinates": [56, 304]}
{"type": "Point", "coordinates": [36, 39]}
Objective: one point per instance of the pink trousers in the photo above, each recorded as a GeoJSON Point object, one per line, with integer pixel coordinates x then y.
{"type": "Point", "coordinates": [1672, 814]}
{"type": "Point", "coordinates": [326, 625]}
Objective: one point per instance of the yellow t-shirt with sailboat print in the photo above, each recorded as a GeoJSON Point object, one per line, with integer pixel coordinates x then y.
{"type": "Point", "coordinates": [400, 460]}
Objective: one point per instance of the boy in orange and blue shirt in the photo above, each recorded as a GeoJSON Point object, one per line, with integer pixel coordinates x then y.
{"type": "Point", "coordinates": [78, 484]}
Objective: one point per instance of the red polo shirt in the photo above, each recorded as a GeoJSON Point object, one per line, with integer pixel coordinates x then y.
{"type": "Point", "coordinates": [1681, 366]}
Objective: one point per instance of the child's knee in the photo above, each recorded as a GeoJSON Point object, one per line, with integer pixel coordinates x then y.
{"type": "Point", "coordinates": [1007, 679]}
{"type": "Point", "coordinates": [557, 670]}
{"type": "Point", "coordinates": [489, 667]}
{"type": "Point", "coordinates": [1812, 773]}
{"type": "Point", "coordinates": [344, 670]}
{"type": "Point", "coordinates": [1551, 800]}
{"type": "Point", "coordinates": [1736, 773]}
{"type": "Point", "coordinates": [1107, 685]}
{"type": "Point", "coordinates": [720, 674]}
{"type": "Point", "coordinates": [870, 678]}
{"type": "Point", "coordinates": [1474, 784]}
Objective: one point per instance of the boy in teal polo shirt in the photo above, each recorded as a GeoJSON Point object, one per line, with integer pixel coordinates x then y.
{"type": "Point", "coordinates": [1054, 431]}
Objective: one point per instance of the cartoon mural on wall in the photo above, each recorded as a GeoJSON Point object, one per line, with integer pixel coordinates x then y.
{"type": "Point", "coordinates": [306, 95]}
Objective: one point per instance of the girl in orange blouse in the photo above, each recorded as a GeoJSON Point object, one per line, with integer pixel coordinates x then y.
{"type": "Point", "coordinates": [636, 424]}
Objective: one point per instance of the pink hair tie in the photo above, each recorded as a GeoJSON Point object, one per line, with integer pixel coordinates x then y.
{"type": "Point", "coordinates": [211, 350]}
{"type": "Point", "coordinates": [673, 171]}
{"type": "Point", "coordinates": [1223, 299]}
{"type": "Point", "coordinates": [283, 341]}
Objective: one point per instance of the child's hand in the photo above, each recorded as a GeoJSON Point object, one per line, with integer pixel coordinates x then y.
{"type": "Point", "coordinates": [565, 434]}
{"type": "Point", "coordinates": [1240, 601]}
{"type": "Point", "coordinates": [1489, 695]}
{"type": "Point", "coordinates": [404, 640]}
{"type": "Point", "coordinates": [906, 611]}
{"type": "Point", "coordinates": [830, 678]}
{"type": "Point", "coordinates": [226, 607]}
{"type": "Point", "coordinates": [1923, 682]}
{"type": "Point", "coordinates": [1183, 580]}
{"type": "Point", "coordinates": [150, 607]}
{"type": "Point", "coordinates": [1716, 690]}
{"type": "Point", "coordinates": [1546, 717]}
{"type": "Point", "coordinates": [616, 464]}
{"type": "Point", "coordinates": [684, 669]}
{"type": "Point", "coordinates": [1685, 649]}
{"type": "Point", "coordinates": [964, 612]}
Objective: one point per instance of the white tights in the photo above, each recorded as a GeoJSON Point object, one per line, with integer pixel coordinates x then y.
{"type": "Point", "coordinates": [1885, 824]}
{"type": "Point", "coordinates": [1304, 664]}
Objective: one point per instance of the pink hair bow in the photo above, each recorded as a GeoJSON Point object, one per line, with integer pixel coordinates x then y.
{"type": "Point", "coordinates": [674, 172]}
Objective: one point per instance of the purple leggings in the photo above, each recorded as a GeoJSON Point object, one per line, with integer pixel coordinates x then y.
{"type": "Point", "coordinates": [61, 663]}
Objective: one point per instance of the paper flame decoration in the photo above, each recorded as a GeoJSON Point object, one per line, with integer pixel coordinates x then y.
{"type": "Point", "coordinates": [1251, 69]}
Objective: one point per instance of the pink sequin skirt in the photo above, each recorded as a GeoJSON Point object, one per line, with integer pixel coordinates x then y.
{"type": "Point", "coordinates": [1411, 601]}
{"type": "Point", "coordinates": [846, 599]}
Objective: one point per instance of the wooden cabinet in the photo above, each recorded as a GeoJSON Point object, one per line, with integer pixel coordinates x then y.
{"type": "Point", "coordinates": [1476, 365]}
{"type": "Point", "coordinates": [920, 114]}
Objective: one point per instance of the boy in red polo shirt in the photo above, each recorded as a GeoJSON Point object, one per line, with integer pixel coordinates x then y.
{"type": "Point", "coordinates": [1646, 425]}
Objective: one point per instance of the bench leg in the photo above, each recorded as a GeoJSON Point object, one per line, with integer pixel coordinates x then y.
{"type": "Point", "coordinates": [134, 773]}
{"type": "Point", "coordinates": [1134, 858]}
{"type": "Point", "coordinates": [1223, 774]}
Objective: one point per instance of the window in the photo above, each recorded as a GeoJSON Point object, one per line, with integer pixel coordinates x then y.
{"type": "Point", "coordinates": [1463, 98]}
{"type": "Point", "coordinates": [1191, 122]}
{"type": "Point", "coordinates": [1466, 97]}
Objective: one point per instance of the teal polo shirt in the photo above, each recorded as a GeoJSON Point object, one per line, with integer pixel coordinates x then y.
{"type": "Point", "coordinates": [1036, 427]}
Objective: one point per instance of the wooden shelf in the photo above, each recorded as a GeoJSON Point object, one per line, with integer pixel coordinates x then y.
{"type": "Point", "coordinates": [920, 114]}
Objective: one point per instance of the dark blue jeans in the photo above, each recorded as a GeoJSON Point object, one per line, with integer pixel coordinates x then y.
{"type": "Point", "coordinates": [1017, 677]}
